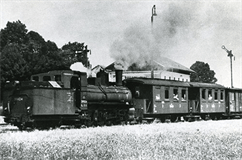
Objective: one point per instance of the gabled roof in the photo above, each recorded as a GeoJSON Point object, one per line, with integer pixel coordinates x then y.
{"type": "Point", "coordinates": [115, 66]}
{"type": "Point", "coordinates": [162, 64]}
{"type": "Point", "coordinates": [171, 65]}
{"type": "Point", "coordinates": [98, 68]}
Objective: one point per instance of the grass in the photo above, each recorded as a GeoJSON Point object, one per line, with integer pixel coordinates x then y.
{"type": "Point", "coordinates": [196, 140]}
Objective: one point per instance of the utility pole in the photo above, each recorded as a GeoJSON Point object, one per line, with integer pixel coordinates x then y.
{"type": "Point", "coordinates": [230, 55]}
{"type": "Point", "coordinates": [153, 13]}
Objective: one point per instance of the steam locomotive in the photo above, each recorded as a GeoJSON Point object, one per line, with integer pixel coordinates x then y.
{"type": "Point", "coordinates": [68, 97]}
{"type": "Point", "coordinates": [65, 98]}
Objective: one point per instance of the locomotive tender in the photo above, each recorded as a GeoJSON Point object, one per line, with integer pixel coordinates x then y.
{"type": "Point", "coordinates": [70, 98]}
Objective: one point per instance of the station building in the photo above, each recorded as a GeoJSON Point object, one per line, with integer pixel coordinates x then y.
{"type": "Point", "coordinates": [164, 69]}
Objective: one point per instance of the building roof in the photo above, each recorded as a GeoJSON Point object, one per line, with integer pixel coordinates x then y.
{"type": "Point", "coordinates": [171, 65]}
{"type": "Point", "coordinates": [115, 66]}
{"type": "Point", "coordinates": [98, 67]}
{"type": "Point", "coordinates": [163, 64]}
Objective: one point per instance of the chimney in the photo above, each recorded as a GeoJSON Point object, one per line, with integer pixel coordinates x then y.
{"type": "Point", "coordinates": [152, 73]}
{"type": "Point", "coordinates": [119, 75]}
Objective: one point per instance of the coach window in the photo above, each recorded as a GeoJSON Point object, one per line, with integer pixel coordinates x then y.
{"type": "Point", "coordinates": [210, 96]}
{"type": "Point", "coordinates": [184, 95]}
{"type": "Point", "coordinates": [175, 95]}
{"type": "Point", "coordinates": [221, 95]}
{"type": "Point", "coordinates": [203, 94]}
{"type": "Point", "coordinates": [46, 78]}
{"type": "Point", "coordinates": [167, 94]}
{"type": "Point", "coordinates": [231, 96]}
{"type": "Point", "coordinates": [216, 95]}
{"type": "Point", "coordinates": [157, 94]}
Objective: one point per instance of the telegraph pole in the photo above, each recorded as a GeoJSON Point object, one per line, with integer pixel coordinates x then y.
{"type": "Point", "coordinates": [153, 13]}
{"type": "Point", "coordinates": [230, 55]}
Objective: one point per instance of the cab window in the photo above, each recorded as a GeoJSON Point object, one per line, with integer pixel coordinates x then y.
{"type": "Point", "coordinates": [57, 78]}
{"type": "Point", "coordinates": [36, 78]}
{"type": "Point", "coordinates": [46, 78]}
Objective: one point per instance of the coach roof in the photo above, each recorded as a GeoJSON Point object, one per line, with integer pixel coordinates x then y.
{"type": "Point", "coordinates": [156, 82]}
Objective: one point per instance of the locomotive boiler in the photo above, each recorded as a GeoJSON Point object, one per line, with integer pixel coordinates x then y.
{"type": "Point", "coordinates": [65, 98]}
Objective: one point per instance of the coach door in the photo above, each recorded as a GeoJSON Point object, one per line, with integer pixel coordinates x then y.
{"type": "Point", "coordinates": [232, 102]}
{"type": "Point", "coordinates": [194, 100]}
{"type": "Point", "coordinates": [236, 105]}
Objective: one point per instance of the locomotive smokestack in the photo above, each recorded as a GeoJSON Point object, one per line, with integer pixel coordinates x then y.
{"type": "Point", "coordinates": [118, 72]}
{"type": "Point", "coordinates": [119, 75]}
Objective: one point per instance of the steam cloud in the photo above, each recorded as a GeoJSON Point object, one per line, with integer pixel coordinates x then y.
{"type": "Point", "coordinates": [181, 29]}
{"type": "Point", "coordinates": [78, 66]}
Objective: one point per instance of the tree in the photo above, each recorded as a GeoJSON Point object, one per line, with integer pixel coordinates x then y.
{"type": "Point", "coordinates": [41, 55]}
{"type": "Point", "coordinates": [14, 32]}
{"type": "Point", "coordinates": [76, 52]}
{"type": "Point", "coordinates": [202, 73]}
{"type": "Point", "coordinates": [13, 65]}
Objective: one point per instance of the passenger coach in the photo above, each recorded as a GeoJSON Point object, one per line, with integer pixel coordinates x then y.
{"type": "Point", "coordinates": [173, 100]}
{"type": "Point", "coordinates": [234, 102]}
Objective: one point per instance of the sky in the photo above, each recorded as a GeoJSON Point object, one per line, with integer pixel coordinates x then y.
{"type": "Point", "coordinates": [185, 31]}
